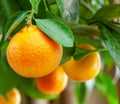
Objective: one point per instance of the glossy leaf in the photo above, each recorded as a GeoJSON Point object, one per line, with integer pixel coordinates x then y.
{"type": "Point", "coordinates": [107, 88]}
{"type": "Point", "coordinates": [13, 22]}
{"type": "Point", "coordinates": [28, 85]}
{"type": "Point", "coordinates": [107, 13]}
{"type": "Point", "coordinates": [69, 10]}
{"type": "Point", "coordinates": [111, 38]}
{"type": "Point", "coordinates": [8, 78]}
{"type": "Point", "coordinates": [57, 31]}
{"type": "Point", "coordinates": [35, 4]}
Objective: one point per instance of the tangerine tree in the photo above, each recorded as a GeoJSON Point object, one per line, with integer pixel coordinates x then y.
{"type": "Point", "coordinates": [43, 43]}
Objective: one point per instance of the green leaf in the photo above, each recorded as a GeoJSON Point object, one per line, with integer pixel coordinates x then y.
{"type": "Point", "coordinates": [107, 88]}
{"type": "Point", "coordinates": [41, 11]}
{"type": "Point", "coordinates": [108, 60]}
{"type": "Point", "coordinates": [108, 12]}
{"type": "Point", "coordinates": [60, 5]}
{"type": "Point", "coordinates": [35, 4]}
{"type": "Point", "coordinates": [57, 31]}
{"type": "Point", "coordinates": [67, 53]}
{"type": "Point", "coordinates": [82, 53]}
{"type": "Point", "coordinates": [69, 10]}
{"type": "Point", "coordinates": [112, 25]}
{"type": "Point", "coordinates": [41, 7]}
{"type": "Point", "coordinates": [28, 85]}
{"type": "Point", "coordinates": [24, 5]}
{"type": "Point", "coordinates": [4, 95]}
{"type": "Point", "coordinates": [54, 9]}
{"type": "Point", "coordinates": [8, 78]}
{"type": "Point", "coordinates": [13, 21]}
{"type": "Point", "coordinates": [81, 39]}
{"type": "Point", "coordinates": [7, 8]}
{"type": "Point", "coordinates": [85, 30]}
{"type": "Point", "coordinates": [111, 38]}
{"type": "Point", "coordinates": [80, 91]}
{"type": "Point", "coordinates": [86, 34]}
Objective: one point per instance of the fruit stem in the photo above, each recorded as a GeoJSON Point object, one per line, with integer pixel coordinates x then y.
{"type": "Point", "coordinates": [29, 19]}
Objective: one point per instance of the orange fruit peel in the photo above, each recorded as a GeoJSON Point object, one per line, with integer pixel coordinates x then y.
{"type": "Point", "coordinates": [31, 53]}
{"type": "Point", "coordinates": [53, 83]}
{"type": "Point", "coordinates": [84, 69]}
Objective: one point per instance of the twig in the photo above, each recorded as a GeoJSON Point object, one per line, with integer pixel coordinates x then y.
{"type": "Point", "coordinates": [29, 20]}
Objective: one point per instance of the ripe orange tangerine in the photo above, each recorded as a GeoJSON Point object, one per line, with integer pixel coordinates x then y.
{"type": "Point", "coordinates": [53, 83]}
{"type": "Point", "coordinates": [31, 53]}
{"type": "Point", "coordinates": [84, 69]}
{"type": "Point", "coordinates": [13, 97]}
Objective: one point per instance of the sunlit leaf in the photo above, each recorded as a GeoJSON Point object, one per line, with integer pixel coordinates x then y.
{"type": "Point", "coordinates": [111, 37]}
{"type": "Point", "coordinates": [57, 31]}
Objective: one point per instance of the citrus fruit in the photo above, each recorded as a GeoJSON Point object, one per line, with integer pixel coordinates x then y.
{"type": "Point", "coordinates": [13, 97]}
{"type": "Point", "coordinates": [31, 53]}
{"type": "Point", "coordinates": [83, 69]}
{"type": "Point", "coordinates": [53, 83]}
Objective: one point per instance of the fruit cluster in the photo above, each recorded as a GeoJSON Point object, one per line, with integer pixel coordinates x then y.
{"type": "Point", "coordinates": [32, 54]}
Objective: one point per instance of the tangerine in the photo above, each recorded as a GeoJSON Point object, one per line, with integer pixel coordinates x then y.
{"type": "Point", "coordinates": [83, 69]}
{"type": "Point", "coordinates": [53, 83]}
{"type": "Point", "coordinates": [31, 53]}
